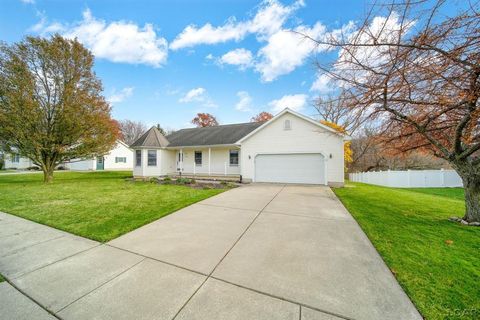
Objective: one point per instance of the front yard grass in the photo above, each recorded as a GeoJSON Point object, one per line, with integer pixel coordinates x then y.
{"type": "Point", "coordinates": [96, 205]}
{"type": "Point", "coordinates": [437, 262]}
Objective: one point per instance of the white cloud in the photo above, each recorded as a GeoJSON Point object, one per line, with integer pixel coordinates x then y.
{"type": "Point", "coordinates": [28, 1]}
{"type": "Point", "coordinates": [117, 41]}
{"type": "Point", "coordinates": [380, 30]}
{"type": "Point", "coordinates": [295, 102]}
{"type": "Point", "coordinates": [269, 18]}
{"type": "Point", "coordinates": [120, 96]}
{"type": "Point", "coordinates": [245, 102]}
{"type": "Point", "coordinates": [323, 84]}
{"type": "Point", "coordinates": [238, 57]}
{"type": "Point", "coordinates": [286, 50]}
{"type": "Point", "coordinates": [198, 95]}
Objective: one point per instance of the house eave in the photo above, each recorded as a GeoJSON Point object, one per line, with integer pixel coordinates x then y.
{"type": "Point", "coordinates": [229, 145]}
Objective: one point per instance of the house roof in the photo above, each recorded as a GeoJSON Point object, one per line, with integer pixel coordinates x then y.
{"type": "Point", "coordinates": [151, 138]}
{"type": "Point", "coordinates": [217, 135]}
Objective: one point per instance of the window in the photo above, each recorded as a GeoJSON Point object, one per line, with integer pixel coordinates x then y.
{"type": "Point", "coordinates": [198, 158]}
{"type": "Point", "coordinates": [138, 158]}
{"type": "Point", "coordinates": [15, 157]}
{"type": "Point", "coordinates": [120, 160]}
{"type": "Point", "coordinates": [233, 158]}
{"type": "Point", "coordinates": [287, 125]}
{"type": "Point", "coordinates": [152, 158]}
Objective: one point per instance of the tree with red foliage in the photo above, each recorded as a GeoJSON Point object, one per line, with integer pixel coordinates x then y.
{"type": "Point", "coordinates": [205, 120]}
{"type": "Point", "coordinates": [262, 117]}
{"type": "Point", "coordinates": [415, 67]}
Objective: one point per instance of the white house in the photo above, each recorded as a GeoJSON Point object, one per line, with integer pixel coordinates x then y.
{"type": "Point", "coordinates": [289, 148]}
{"type": "Point", "coordinates": [15, 161]}
{"type": "Point", "coordinates": [119, 158]}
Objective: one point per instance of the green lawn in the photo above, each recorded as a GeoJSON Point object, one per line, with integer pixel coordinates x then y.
{"type": "Point", "coordinates": [6, 171]}
{"type": "Point", "coordinates": [436, 261]}
{"type": "Point", "coordinates": [96, 205]}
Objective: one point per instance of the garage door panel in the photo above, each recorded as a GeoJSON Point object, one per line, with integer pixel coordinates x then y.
{"type": "Point", "coordinates": [290, 168]}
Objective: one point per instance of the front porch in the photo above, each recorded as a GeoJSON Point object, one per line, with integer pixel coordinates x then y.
{"type": "Point", "coordinates": [212, 163]}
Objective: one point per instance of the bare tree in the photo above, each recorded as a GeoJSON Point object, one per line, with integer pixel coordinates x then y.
{"type": "Point", "coordinates": [337, 109]}
{"type": "Point", "coordinates": [131, 130]}
{"type": "Point", "coordinates": [416, 66]}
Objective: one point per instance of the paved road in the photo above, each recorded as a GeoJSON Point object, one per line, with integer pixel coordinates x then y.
{"type": "Point", "coordinates": [255, 252]}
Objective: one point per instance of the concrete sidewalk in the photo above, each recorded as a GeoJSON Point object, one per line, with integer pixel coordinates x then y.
{"type": "Point", "coordinates": [255, 252]}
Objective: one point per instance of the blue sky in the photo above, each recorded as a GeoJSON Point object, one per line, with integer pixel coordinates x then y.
{"type": "Point", "coordinates": [164, 61]}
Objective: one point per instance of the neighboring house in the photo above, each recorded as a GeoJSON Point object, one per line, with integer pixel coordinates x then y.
{"type": "Point", "coordinates": [119, 158]}
{"type": "Point", "coordinates": [15, 161]}
{"type": "Point", "coordinates": [289, 148]}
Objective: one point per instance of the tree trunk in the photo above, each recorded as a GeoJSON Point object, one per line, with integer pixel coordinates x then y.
{"type": "Point", "coordinates": [471, 183]}
{"type": "Point", "coordinates": [472, 200]}
{"type": "Point", "coordinates": [48, 172]}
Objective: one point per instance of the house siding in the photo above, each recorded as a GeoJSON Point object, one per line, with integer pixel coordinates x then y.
{"type": "Point", "coordinates": [120, 150]}
{"type": "Point", "coordinates": [303, 137]}
{"type": "Point", "coordinates": [23, 163]}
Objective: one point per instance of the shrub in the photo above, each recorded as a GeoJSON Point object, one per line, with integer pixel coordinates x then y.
{"type": "Point", "coordinates": [154, 180]}
{"type": "Point", "coordinates": [184, 181]}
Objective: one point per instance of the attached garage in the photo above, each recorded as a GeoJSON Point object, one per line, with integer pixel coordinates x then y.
{"type": "Point", "coordinates": [292, 148]}
{"type": "Point", "coordinates": [308, 168]}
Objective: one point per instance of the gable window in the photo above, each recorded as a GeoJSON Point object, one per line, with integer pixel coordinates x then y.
{"type": "Point", "coordinates": [138, 158]}
{"type": "Point", "coordinates": [152, 158]}
{"type": "Point", "coordinates": [233, 158]}
{"type": "Point", "coordinates": [15, 158]}
{"type": "Point", "coordinates": [198, 158]}
{"type": "Point", "coordinates": [287, 125]}
{"type": "Point", "coordinates": [120, 160]}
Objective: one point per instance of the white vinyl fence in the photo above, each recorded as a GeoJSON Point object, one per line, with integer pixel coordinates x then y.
{"type": "Point", "coordinates": [410, 178]}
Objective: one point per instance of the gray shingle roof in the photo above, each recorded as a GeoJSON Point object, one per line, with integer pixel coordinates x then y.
{"type": "Point", "coordinates": [151, 138]}
{"type": "Point", "coordinates": [225, 134]}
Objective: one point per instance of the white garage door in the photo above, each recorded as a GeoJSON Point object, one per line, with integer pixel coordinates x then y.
{"type": "Point", "coordinates": [290, 168]}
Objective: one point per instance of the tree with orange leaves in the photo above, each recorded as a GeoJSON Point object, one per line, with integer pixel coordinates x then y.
{"type": "Point", "coordinates": [51, 104]}
{"type": "Point", "coordinates": [205, 120]}
{"type": "Point", "coordinates": [415, 66]}
{"type": "Point", "coordinates": [262, 117]}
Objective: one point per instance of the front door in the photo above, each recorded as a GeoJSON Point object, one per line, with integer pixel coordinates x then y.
{"type": "Point", "coordinates": [100, 163]}
{"type": "Point", "coordinates": [180, 160]}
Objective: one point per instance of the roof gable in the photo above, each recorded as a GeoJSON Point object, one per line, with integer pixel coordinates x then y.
{"type": "Point", "coordinates": [153, 138]}
{"type": "Point", "coordinates": [287, 110]}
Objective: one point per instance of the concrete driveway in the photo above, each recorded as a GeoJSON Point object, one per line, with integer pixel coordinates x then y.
{"type": "Point", "coordinates": [255, 252]}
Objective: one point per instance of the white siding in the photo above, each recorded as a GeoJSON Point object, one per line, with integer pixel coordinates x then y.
{"type": "Point", "coordinates": [22, 164]}
{"type": "Point", "coordinates": [82, 165]}
{"type": "Point", "coordinates": [303, 137]}
{"type": "Point", "coordinates": [120, 150]}
{"type": "Point", "coordinates": [165, 164]}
